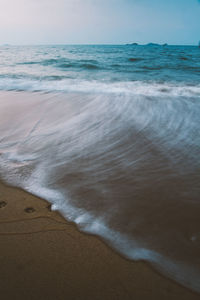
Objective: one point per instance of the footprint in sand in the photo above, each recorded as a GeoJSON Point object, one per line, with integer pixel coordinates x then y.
{"type": "Point", "coordinates": [2, 204]}
{"type": "Point", "coordinates": [29, 210]}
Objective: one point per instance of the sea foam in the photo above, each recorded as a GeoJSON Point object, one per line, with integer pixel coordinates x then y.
{"type": "Point", "coordinates": [122, 167]}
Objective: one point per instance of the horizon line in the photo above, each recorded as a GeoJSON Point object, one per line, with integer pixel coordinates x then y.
{"type": "Point", "coordinates": [96, 44]}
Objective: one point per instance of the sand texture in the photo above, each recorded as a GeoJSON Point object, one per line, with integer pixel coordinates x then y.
{"type": "Point", "coordinates": [42, 256]}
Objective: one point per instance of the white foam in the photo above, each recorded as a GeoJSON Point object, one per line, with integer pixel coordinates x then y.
{"type": "Point", "coordinates": [82, 86]}
{"type": "Point", "coordinates": [120, 167]}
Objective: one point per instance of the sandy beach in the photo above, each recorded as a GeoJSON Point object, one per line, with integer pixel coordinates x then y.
{"type": "Point", "coordinates": [43, 256]}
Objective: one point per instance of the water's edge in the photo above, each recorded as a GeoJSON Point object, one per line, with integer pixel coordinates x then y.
{"type": "Point", "coordinates": [82, 130]}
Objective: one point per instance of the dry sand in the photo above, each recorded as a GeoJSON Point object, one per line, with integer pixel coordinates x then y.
{"type": "Point", "coordinates": [42, 256]}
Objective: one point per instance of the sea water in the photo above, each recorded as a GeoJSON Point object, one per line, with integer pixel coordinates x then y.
{"type": "Point", "coordinates": [110, 136]}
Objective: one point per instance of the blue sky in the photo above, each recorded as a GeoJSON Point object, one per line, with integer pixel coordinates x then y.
{"type": "Point", "coordinates": [99, 21]}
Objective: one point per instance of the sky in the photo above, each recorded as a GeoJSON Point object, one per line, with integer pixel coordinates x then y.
{"type": "Point", "coordinates": [99, 21]}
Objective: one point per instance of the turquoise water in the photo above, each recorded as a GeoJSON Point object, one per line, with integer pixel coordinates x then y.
{"type": "Point", "coordinates": [96, 68]}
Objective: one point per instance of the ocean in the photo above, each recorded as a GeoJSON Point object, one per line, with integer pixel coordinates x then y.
{"type": "Point", "coordinates": [110, 136]}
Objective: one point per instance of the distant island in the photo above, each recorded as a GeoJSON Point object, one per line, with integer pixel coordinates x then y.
{"type": "Point", "coordinates": [149, 44]}
{"type": "Point", "coordinates": [132, 44]}
{"type": "Point", "coordinates": [157, 45]}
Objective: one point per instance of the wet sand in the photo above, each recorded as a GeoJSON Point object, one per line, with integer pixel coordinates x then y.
{"type": "Point", "coordinates": [42, 256]}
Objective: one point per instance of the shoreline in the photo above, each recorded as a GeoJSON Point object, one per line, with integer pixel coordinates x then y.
{"type": "Point", "coordinates": [45, 257]}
